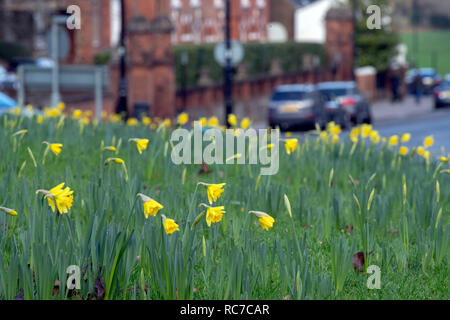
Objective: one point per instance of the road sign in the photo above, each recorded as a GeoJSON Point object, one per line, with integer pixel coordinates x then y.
{"type": "Point", "coordinates": [70, 78]}
{"type": "Point", "coordinates": [63, 43]}
{"type": "Point", "coordinates": [237, 53]}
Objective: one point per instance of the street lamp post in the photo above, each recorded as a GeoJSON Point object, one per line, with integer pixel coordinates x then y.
{"type": "Point", "coordinates": [228, 70]}
{"type": "Point", "coordinates": [355, 31]}
{"type": "Point", "coordinates": [122, 107]}
{"type": "Point", "coordinates": [184, 63]}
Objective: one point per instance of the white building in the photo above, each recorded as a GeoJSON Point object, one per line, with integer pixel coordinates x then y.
{"type": "Point", "coordinates": [310, 21]}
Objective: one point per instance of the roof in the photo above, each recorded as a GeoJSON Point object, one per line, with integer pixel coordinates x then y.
{"type": "Point", "coordinates": [295, 87]}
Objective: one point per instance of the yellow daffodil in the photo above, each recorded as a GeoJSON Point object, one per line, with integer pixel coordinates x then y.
{"type": "Point", "coordinates": [290, 145]}
{"type": "Point", "coordinates": [115, 118]}
{"type": "Point", "coordinates": [403, 151]}
{"type": "Point", "coordinates": [52, 113]}
{"type": "Point", "coordinates": [213, 121]}
{"type": "Point", "coordinates": [265, 220]}
{"type": "Point", "coordinates": [61, 106]}
{"type": "Point", "coordinates": [110, 148]}
{"type": "Point", "coordinates": [245, 123]}
{"type": "Point", "coordinates": [39, 119]}
{"type": "Point", "coordinates": [213, 214]}
{"type": "Point", "coordinates": [420, 151]}
{"type": "Point", "coordinates": [445, 159]}
{"type": "Point", "coordinates": [77, 114]}
{"type": "Point", "coordinates": [334, 129]}
{"type": "Point", "coordinates": [335, 138]}
{"type": "Point", "coordinates": [232, 120]}
{"type": "Point", "coordinates": [203, 121]}
{"type": "Point", "coordinates": [366, 129]}
{"type": "Point", "coordinates": [85, 121]}
{"type": "Point", "coordinates": [354, 139]}
{"type": "Point", "coordinates": [375, 137]}
{"type": "Point", "coordinates": [393, 141]}
{"type": "Point", "coordinates": [183, 118]}
{"type": "Point", "coordinates": [406, 137]}
{"type": "Point", "coordinates": [132, 122]}
{"type": "Point", "coordinates": [214, 191]}
{"type": "Point", "coordinates": [288, 134]}
{"type": "Point", "coordinates": [146, 121]}
{"type": "Point", "coordinates": [428, 142]}
{"type": "Point", "coordinates": [54, 147]}
{"type": "Point", "coordinates": [151, 207]}
{"type": "Point", "coordinates": [355, 131]}
{"type": "Point", "coordinates": [59, 198]}
{"type": "Point", "coordinates": [11, 212]}
{"type": "Point", "coordinates": [141, 144]}
{"type": "Point", "coordinates": [427, 155]}
{"type": "Point", "coordinates": [169, 225]}
{"type": "Point", "coordinates": [167, 123]}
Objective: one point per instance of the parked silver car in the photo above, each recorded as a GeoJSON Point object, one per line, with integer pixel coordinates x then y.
{"type": "Point", "coordinates": [296, 106]}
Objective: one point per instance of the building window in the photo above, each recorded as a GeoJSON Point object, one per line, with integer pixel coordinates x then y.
{"type": "Point", "coordinates": [245, 4]}
{"type": "Point", "coordinates": [195, 4]}
{"type": "Point", "coordinates": [218, 4]}
{"type": "Point", "coordinates": [176, 4]}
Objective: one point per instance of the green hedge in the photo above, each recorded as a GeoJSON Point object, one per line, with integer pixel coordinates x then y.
{"type": "Point", "coordinates": [258, 58]}
{"type": "Point", "coordinates": [8, 51]}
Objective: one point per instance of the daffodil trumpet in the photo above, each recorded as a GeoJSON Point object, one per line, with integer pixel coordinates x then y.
{"type": "Point", "coordinates": [60, 199]}
{"type": "Point", "coordinates": [213, 214]}
{"type": "Point", "coordinates": [141, 144]}
{"type": "Point", "coordinates": [54, 147]}
{"type": "Point", "coordinates": [169, 225]}
{"type": "Point", "coordinates": [214, 191]}
{"type": "Point", "coordinates": [265, 220]}
{"type": "Point", "coordinates": [151, 206]}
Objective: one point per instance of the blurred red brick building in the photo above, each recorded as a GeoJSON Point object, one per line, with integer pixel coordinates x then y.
{"type": "Point", "coordinates": [202, 21]}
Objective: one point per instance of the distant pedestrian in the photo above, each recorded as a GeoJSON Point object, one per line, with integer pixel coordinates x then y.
{"type": "Point", "coordinates": [395, 86]}
{"type": "Point", "coordinates": [418, 90]}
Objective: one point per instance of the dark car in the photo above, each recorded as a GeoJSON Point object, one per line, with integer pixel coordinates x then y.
{"type": "Point", "coordinates": [345, 102]}
{"type": "Point", "coordinates": [296, 106]}
{"type": "Point", "coordinates": [442, 94]}
{"type": "Point", "coordinates": [427, 78]}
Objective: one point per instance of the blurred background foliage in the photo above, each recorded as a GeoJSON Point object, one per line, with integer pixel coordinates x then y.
{"type": "Point", "coordinates": [258, 59]}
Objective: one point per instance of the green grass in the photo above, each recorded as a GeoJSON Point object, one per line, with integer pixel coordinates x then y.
{"type": "Point", "coordinates": [306, 256]}
{"type": "Point", "coordinates": [433, 52]}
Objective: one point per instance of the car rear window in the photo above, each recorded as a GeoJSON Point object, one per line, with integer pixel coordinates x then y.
{"type": "Point", "coordinates": [331, 94]}
{"type": "Point", "coordinates": [290, 95]}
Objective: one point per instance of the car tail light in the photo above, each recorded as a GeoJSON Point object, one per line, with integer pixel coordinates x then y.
{"type": "Point", "coordinates": [348, 102]}
{"type": "Point", "coordinates": [437, 94]}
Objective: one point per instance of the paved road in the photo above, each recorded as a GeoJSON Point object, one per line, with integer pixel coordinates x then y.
{"type": "Point", "coordinates": [436, 123]}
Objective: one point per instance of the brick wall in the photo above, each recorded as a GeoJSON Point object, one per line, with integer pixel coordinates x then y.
{"type": "Point", "coordinates": [339, 42]}
{"type": "Point", "coordinates": [250, 96]}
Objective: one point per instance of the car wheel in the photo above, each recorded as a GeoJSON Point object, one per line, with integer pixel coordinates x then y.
{"type": "Point", "coordinates": [368, 119]}
{"type": "Point", "coordinates": [437, 105]}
